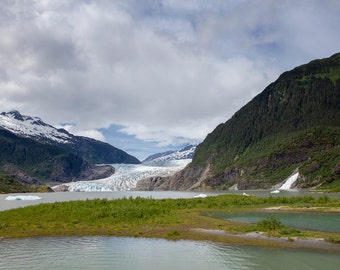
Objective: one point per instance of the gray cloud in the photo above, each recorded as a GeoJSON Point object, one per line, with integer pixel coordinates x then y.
{"type": "Point", "coordinates": [161, 69]}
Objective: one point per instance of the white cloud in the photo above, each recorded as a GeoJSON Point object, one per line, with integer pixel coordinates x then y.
{"type": "Point", "coordinates": [166, 71]}
{"type": "Point", "coordinates": [94, 133]}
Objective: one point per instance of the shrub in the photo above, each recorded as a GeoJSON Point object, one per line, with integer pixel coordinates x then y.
{"type": "Point", "coordinates": [333, 240]}
{"type": "Point", "coordinates": [173, 233]}
{"type": "Point", "coordinates": [269, 224]}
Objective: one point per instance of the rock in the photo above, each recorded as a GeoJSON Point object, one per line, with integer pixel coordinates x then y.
{"type": "Point", "coordinates": [336, 170]}
{"type": "Point", "coordinates": [60, 188]}
{"type": "Point", "coordinates": [96, 172]}
{"type": "Point", "coordinates": [151, 183]}
{"type": "Point", "coordinates": [313, 167]}
{"type": "Point", "coordinates": [20, 175]}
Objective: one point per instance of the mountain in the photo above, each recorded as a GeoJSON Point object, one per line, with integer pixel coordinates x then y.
{"type": "Point", "coordinates": [185, 153]}
{"type": "Point", "coordinates": [91, 150]}
{"type": "Point", "coordinates": [33, 163]}
{"type": "Point", "coordinates": [33, 153]}
{"type": "Point", "coordinates": [293, 125]}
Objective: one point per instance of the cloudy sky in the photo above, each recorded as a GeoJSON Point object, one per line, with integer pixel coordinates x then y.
{"type": "Point", "coordinates": [153, 75]}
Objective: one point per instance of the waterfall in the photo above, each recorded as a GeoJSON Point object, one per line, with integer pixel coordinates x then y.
{"type": "Point", "coordinates": [289, 181]}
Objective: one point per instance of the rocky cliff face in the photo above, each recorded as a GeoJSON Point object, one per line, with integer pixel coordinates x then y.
{"type": "Point", "coordinates": [293, 124]}
{"type": "Point", "coordinates": [152, 183]}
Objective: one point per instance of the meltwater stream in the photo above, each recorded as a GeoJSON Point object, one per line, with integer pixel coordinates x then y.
{"type": "Point", "coordinates": [140, 253]}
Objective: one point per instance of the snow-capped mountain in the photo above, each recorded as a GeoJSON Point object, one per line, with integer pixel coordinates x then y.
{"type": "Point", "coordinates": [185, 153]}
{"type": "Point", "coordinates": [91, 150]}
{"type": "Point", "coordinates": [33, 127]}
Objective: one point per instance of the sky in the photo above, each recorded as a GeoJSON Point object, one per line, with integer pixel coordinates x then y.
{"type": "Point", "coordinates": [153, 75]}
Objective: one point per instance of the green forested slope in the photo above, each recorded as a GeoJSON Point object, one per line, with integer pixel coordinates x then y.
{"type": "Point", "coordinates": [32, 162]}
{"type": "Point", "coordinates": [294, 123]}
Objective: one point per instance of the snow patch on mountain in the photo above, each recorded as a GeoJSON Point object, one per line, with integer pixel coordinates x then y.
{"type": "Point", "coordinates": [185, 153]}
{"type": "Point", "coordinates": [127, 175]}
{"type": "Point", "coordinates": [32, 127]}
{"type": "Point", "coordinates": [91, 150]}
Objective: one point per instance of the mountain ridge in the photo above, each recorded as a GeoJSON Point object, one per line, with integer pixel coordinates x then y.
{"type": "Point", "coordinates": [185, 153]}
{"type": "Point", "coordinates": [92, 150]}
{"type": "Point", "coordinates": [294, 123]}
{"type": "Point", "coordinates": [34, 163]}
{"type": "Point", "coordinates": [33, 154]}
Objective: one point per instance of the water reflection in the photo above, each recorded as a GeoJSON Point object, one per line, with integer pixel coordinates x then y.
{"type": "Point", "coordinates": [139, 253]}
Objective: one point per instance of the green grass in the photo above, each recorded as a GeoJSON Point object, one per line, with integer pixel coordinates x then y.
{"type": "Point", "coordinates": [167, 218]}
{"type": "Point", "coordinates": [272, 226]}
{"type": "Point", "coordinates": [333, 240]}
{"type": "Point", "coordinates": [333, 76]}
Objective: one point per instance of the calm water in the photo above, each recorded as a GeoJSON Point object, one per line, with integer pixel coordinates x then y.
{"type": "Point", "coordinates": [328, 222]}
{"type": "Point", "coordinates": [139, 253]}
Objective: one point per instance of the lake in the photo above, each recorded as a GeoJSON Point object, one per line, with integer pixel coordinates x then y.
{"type": "Point", "coordinates": [140, 253]}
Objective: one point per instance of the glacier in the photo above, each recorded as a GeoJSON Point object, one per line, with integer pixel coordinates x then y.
{"type": "Point", "coordinates": [126, 176]}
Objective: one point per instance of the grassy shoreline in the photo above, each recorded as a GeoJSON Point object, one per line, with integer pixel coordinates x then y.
{"type": "Point", "coordinates": [173, 219]}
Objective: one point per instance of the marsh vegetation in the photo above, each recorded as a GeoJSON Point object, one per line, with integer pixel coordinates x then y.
{"type": "Point", "coordinates": [162, 218]}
